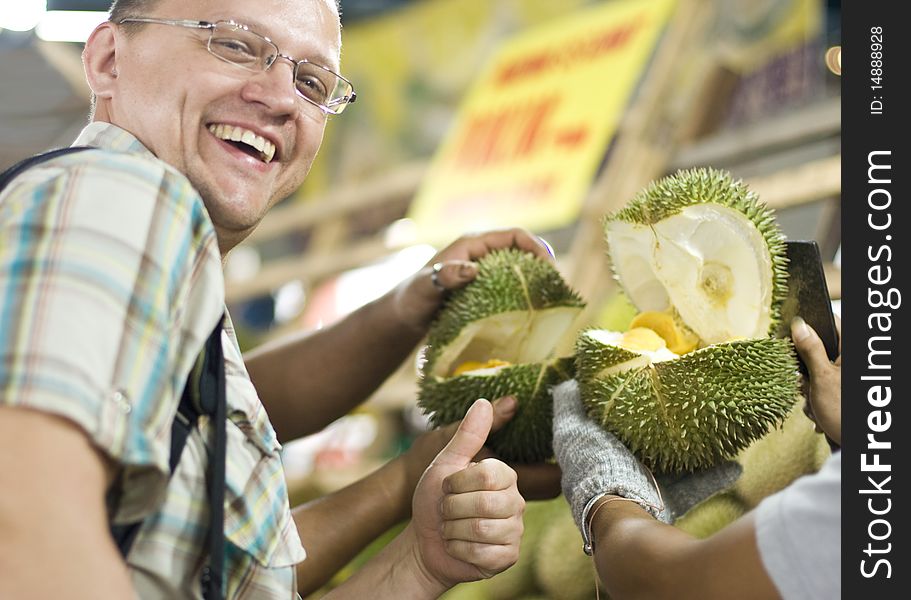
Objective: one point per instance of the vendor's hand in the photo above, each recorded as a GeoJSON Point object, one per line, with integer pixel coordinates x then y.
{"type": "Point", "coordinates": [466, 515]}
{"type": "Point", "coordinates": [595, 463]}
{"type": "Point", "coordinates": [537, 481]}
{"type": "Point", "coordinates": [418, 297]}
{"type": "Point", "coordinates": [823, 391]}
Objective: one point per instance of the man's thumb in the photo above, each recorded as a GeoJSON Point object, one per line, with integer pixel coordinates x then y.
{"type": "Point", "coordinates": [469, 438]}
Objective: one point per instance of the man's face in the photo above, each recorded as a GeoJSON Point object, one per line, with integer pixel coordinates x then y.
{"type": "Point", "coordinates": [182, 103]}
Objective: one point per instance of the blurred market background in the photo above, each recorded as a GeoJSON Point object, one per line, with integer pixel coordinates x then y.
{"type": "Point", "coordinates": [474, 114]}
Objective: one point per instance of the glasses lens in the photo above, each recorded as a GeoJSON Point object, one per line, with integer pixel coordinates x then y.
{"type": "Point", "coordinates": [241, 47]}
{"type": "Point", "coordinates": [323, 87]}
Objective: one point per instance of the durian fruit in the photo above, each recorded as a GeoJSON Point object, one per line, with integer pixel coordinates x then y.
{"type": "Point", "coordinates": [680, 413]}
{"type": "Point", "coordinates": [697, 378]}
{"type": "Point", "coordinates": [823, 452]}
{"type": "Point", "coordinates": [773, 462]}
{"type": "Point", "coordinates": [473, 590]}
{"type": "Point", "coordinates": [562, 569]}
{"type": "Point", "coordinates": [678, 338]}
{"type": "Point", "coordinates": [501, 335]}
{"type": "Point", "coordinates": [519, 579]}
{"type": "Point", "coordinates": [702, 243]}
{"type": "Point", "coordinates": [711, 515]}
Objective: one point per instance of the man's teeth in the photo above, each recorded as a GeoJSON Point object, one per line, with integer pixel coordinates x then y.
{"type": "Point", "coordinates": [239, 134]}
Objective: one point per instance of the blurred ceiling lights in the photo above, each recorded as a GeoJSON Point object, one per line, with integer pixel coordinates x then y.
{"type": "Point", "coordinates": [68, 25]}
{"type": "Point", "coordinates": [51, 25]}
{"type": "Point", "coordinates": [74, 20]}
{"type": "Point", "coordinates": [22, 15]}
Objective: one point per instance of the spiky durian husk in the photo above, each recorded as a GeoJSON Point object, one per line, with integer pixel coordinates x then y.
{"type": "Point", "coordinates": [670, 195]}
{"type": "Point", "coordinates": [528, 437]}
{"type": "Point", "coordinates": [508, 280]}
{"type": "Point", "coordinates": [697, 410]}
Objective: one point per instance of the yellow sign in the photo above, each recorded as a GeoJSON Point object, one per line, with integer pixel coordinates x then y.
{"type": "Point", "coordinates": [533, 130]}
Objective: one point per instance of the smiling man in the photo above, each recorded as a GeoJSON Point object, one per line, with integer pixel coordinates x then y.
{"type": "Point", "coordinates": [215, 99]}
{"type": "Point", "coordinates": [206, 113]}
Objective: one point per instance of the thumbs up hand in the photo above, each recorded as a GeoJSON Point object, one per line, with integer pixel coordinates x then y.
{"type": "Point", "coordinates": [467, 516]}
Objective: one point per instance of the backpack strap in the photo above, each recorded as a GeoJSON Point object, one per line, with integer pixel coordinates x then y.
{"type": "Point", "coordinates": [213, 401]}
{"type": "Point", "coordinates": [203, 394]}
{"type": "Point", "coordinates": [27, 163]}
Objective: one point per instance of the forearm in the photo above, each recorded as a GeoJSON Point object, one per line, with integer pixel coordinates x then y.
{"type": "Point", "coordinates": [309, 380]}
{"type": "Point", "coordinates": [335, 528]}
{"type": "Point", "coordinates": [639, 557]}
{"type": "Point", "coordinates": [396, 572]}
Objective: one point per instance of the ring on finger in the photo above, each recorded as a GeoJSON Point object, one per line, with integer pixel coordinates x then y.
{"type": "Point", "coordinates": [435, 276]}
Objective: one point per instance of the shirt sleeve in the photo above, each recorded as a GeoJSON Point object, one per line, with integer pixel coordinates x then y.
{"type": "Point", "coordinates": [109, 279]}
{"type": "Point", "coordinates": [798, 531]}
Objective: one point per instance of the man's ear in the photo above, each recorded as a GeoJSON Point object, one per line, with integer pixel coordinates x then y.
{"type": "Point", "coordinates": [99, 59]}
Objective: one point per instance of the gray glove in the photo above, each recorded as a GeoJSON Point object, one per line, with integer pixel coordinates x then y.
{"type": "Point", "coordinates": [595, 463]}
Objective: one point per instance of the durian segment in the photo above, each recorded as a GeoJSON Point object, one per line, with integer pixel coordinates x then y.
{"type": "Point", "coordinates": [642, 339]}
{"type": "Point", "coordinates": [473, 365]}
{"type": "Point", "coordinates": [702, 244]}
{"type": "Point", "coordinates": [678, 338]}
{"type": "Point", "coordinates": [693, 411]}
{"type": "Point", "coordinates": [514, 337]}
{"type": "Point", "coordinates": [517, 310]}
{"type": "Point", "coordinates": [601, 353]}
{"type": "Point", "coordinates": [528, 437]}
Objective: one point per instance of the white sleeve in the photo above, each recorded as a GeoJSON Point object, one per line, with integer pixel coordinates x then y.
{"type": "Point", "coordinates": [798, 531]}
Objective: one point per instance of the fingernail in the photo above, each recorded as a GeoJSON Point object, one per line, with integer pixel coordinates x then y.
{"type": "Point", "coordinates": [505, 405]}
{"type": "Point", "coordinates": [468, 270]}
{"type": "Point", "coordinates": [447, 488]}
{"type": "Point", "coordinates": [475, 403]}
{"type": "Point", "coordinates": [799, 329]}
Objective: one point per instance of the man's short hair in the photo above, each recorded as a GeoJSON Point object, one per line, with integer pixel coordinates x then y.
{"type": "Point", "coordinates": [130, 8]}
{"type": "Point", "coordinates": [133, 8]}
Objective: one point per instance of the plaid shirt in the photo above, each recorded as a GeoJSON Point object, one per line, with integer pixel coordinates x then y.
{"type": "Point", "coordinates": [110, 282]}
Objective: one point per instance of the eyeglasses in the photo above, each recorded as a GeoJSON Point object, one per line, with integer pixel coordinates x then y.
{"type": "Point", "coordinates": [237, 44]}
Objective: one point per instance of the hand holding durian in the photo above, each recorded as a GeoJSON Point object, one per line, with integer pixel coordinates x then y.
{"type": "Point", "coordinates": [823, 390]}
{"type": "Point", "coordinates": [596, 464]}
{"type": "Point", "coordinates": [787, 547]}
{"type": "Point", "coordinates": [419, 298]}
{"type": "Point", "coordinates": [694, 381]}
{"type": "Point", "coordinates": [501, 336]}
{"type": "Point", "coordinates": [697, 378]}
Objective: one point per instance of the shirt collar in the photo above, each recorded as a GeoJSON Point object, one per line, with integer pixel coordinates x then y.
{"type": "Point", "coordinates": [100, 134]}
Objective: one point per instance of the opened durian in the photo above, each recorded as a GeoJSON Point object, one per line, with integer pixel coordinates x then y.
{"type": "Point", "coordinates": [498, 336]}
{"type": "Point", "coordinates": [697, 378]}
